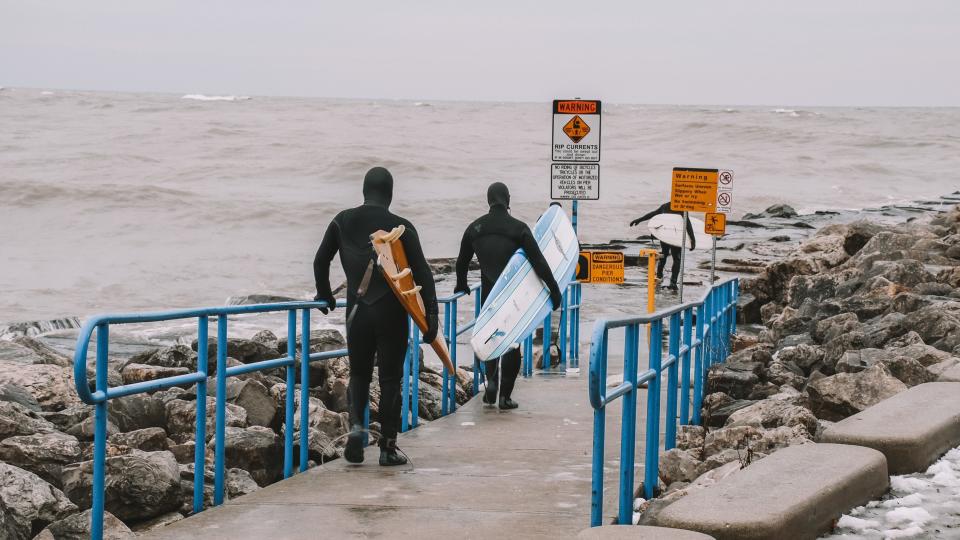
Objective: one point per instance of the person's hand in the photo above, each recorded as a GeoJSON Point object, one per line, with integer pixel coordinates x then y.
{"type": "Point", "coordinates": [556, 298]}
{"type": "Point", "coordinates": [433, 325]}
{"type": "Point", "coordinates": [461, 288]}
{"type": "Point", "coordinates": [330, 301]}
{"type": "Point", "coordinates": [635, 222]}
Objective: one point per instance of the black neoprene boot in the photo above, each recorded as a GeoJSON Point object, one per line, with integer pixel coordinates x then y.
{"type": "Point", "coordinates": [507, 403]}
{"type": "Point", "coordinates": [389, 457]}
{"type": "Point", "coordinates": [354, 450]}
{"type": "Point", "coordinates": [491, 367]}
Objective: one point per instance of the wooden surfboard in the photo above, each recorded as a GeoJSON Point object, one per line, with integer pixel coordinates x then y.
{"type": "Point", "coordinates": [392, 261]}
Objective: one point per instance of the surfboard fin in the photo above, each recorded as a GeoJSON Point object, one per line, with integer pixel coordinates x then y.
{"type": "Point", "coordinates": [403, 273]}
{"type": "Point", "coordinates": [411, 292]}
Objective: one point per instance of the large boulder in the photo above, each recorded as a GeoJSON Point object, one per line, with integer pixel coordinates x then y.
{"type": "Point", "coordinates": [177, 356]}
{"type": "Point", "coordinates": [736, 379]}
{"type": "Point", "coordinates": [135, 373]}
{"type": "Point", "coordinates": [735, 437]}
{"type": "Point", "coordinates": [138, 485]}
{"type": "Point", "coordinates": [833, 327]}
{"type": "Point", "coordinates": [43, 454]}
{"type": "Point", "coordinates": [244, 350]}
{"type": "Point", "coordinates": [904, 367]}
{"type": "Point", "coordinates": [937, 324]}
{"type": "Point", "coordinates": [28, 504]}
{"type": "Point", "coordinates": [138, 411]}
{"type": "Point", "coordinates": [255, 449]}
{"type": "Point", "coordinates": [838, 396]}
{"type": "Point", "coordinates": [678, 465]}
{"type": "Point", "coordinates": [255, 398]}
{"type": "Point", "coordinates": [51, 386]}
{"type": "Point", "coordinates": [321, 448]}
{"type": "Point", "coordinates": [322, 419]}
{"type": "Point", "coordinates": [805, 356]}
{"type": "Point", "coordinates": [77, 527]}
{"type": "Point", "coordinates": [773, 413]}
{"type": "Point", "coordinates": [182, 418]}
{"type": "Point", "coordinates": [15, 393]}
{"type": "Point", "coordinates": [15, 419]}
{"type": "Point", "coordinates": [148, 439]}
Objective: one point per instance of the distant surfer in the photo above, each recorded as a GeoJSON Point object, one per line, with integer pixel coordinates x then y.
{"type": "Point", "coordinates": [668, 250]}
{"type": "Point", "coordinates": [495, 237]}
{"type": "Point", "coordinates": [377, 324]}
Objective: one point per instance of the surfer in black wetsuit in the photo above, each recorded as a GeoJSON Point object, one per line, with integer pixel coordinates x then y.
{"type": "Point", "coordinates": [668, 250]}
{"type": "Point", "coordinates": [495, 237]}
{"type": "Point", "coordinates": [377, 324]}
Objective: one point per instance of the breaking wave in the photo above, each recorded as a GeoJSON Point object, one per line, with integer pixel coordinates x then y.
{"type": "Point", "coordinates": [201, 97]}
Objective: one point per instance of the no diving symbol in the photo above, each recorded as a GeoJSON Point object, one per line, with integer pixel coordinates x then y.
{"type": "Point", "coordinates": [724, 199]}
{"type": "Point", "coordinates": [726, 177]}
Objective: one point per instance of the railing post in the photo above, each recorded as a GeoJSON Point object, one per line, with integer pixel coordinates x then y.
{"type": "Point", "coordinates": [445, 393]}
{"type": "Point", "coordinates": [685, 366]}
{"type": "Point", "coordinates": [100, 434]}
{"type": "Point", "coordinates": [200, 442]}
{"type": "Point", "coordinates": [575, 342]}
{"type": "Point", "coordinates": [670, 435]}
{"type": "Point", "coordinates": [304, 387]}
{"type": "Point", "coordinates": [547, 338]}
{"type": "Point", "coordinates": [221, 410]}
{"type": "Point", "coordinates": [528, 357]}
{"type": "Point", "coordinates": [290, 396]}
{"type": "Point", "coordinates": [698, 371]}
{"type": "Point", "coordinates": [405, 386]}
{"type": "Point", "coordinates": [599, 430]}
{"type": "Point", "coordinates": [453, 354]}
{"type": "Point", "coordinates": [562, 337]}
{"type": "Point", "coordinates": [651, 461]}
{"type": "Point", "coordinates": [477, 369]}
{"type": "Point", "coordinates": [628, 430]}
{"type": "Point", "coordinates": [415, 368]}
{"type": "Point", "coordinates": [736, 298]}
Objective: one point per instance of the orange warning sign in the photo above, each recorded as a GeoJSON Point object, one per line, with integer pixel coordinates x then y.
{"type": "Point", "coordinates": [576, 129]}
{"type": "Point", "coordinates": [600, 267]}
{"type": "Point", "coordinates": [576, 107]}
{"type": "Point", "coordinates": [715, 223]}
{"type": "Point", "coordinates": [693, 190]}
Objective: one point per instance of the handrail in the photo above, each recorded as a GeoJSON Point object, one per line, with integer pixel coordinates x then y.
{"type": "Point", "coordinates": [706, 339]}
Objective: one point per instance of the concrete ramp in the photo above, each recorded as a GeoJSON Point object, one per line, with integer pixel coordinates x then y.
{"type": "Point", "coordinates": [629, 532]}
{"type": "Point", "coordinates": [794, 493]}
{"type": "Point", "coordinates": [912, 429]}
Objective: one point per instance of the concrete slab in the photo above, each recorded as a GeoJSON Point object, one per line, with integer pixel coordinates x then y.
{"type": "Point", "coordinates": [629, 532]}
{"type": "Point", "coordinates": [912, 429]}
{"type": "Point", "coordinates": [795, 493]}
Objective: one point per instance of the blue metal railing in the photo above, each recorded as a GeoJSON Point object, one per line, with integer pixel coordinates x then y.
{"type": "Point", "coordinates": [703, 328]}
{"type": "Point", "coordinates": [569, 339]}
{"type": "Point", "coordinates": [102, 392]}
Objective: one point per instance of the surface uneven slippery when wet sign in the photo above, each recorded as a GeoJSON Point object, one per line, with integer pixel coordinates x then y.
{"type": "Point", "coordinates": [693, 190]}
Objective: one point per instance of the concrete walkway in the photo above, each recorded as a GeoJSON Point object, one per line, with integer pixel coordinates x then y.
{"type": "Point", "coordinates": [479, 473]}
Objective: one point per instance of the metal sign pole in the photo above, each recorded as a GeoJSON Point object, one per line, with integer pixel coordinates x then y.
{"type": "Point", "coordinates": [713, 262]}
{"type": "Point", "coordinates": [683, 252]}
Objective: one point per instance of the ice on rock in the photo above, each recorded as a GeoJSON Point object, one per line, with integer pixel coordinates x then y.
{"type": "Point", "coordinates": [914, 499]}
{"type": "Point", "coordinates": [857, 524]}
{"type": "Point", "coordinates": [908, 484]}
{"type": "Point", "coordinates": [909, 532]}
{"type": "Point", "coordinates": [913, 515]}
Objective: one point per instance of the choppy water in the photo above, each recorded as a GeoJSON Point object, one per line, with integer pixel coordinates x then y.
{"type": "Point", "coordinates": [113, 201]}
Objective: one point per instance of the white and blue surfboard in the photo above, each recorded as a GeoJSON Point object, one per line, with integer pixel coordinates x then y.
{"type": "Point", "coordinates": [519, 300]}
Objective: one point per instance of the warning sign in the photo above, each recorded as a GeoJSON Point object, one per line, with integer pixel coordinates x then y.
{"type": "Point", "coordinates": [576, 130]}
{"type": "Point", "coordinates": [725, 191]}
{"type": "Point", "coordinates": [575, 181]}
{"type": "Point", "coordinates": [715, 223]}
{"type": "Point", "coordinates": [693, 190]}
{"type": "Point", "coordinates": [600, 267]}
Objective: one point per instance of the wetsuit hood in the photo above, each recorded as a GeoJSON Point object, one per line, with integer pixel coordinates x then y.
{"type": "Point", "coordinates": [378, 187]}
{"type": "Point", "coordinates": [498, 194]}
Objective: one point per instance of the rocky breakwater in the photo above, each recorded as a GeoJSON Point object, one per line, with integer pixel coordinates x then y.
{"type": "Point", "coordinates": [854, 315]}
{"type": "Point", "coordinates": [46, 433]}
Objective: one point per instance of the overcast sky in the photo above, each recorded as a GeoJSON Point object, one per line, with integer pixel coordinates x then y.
{"type": "Point", "coordinates": [763, 52]}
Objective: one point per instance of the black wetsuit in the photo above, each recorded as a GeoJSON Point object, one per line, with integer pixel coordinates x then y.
{"type": "Point", "coordinates": [668, 250]}
{"type": "Point", "coordinates": [379, 327]}
{"type": "Point", "coordinates": [495, 237]}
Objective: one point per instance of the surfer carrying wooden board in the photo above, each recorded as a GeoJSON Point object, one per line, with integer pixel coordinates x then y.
{"type": "Point", "coordinates": [668, 250]}
{"type": "Point", "coordinates": [377, 323]}
{"type": "Point", "coordinates": [494, 238]}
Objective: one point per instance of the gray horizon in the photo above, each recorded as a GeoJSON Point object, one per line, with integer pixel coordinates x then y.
{"type": "Point", "coordinates": [819, 54]}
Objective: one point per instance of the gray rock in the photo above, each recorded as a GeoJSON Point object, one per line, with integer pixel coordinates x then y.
{"type": "Point", "coordinates": [148, 439]}
{"type": "Point", "coordinates": [256, 449]}
{"type": "Point", "coordinates": [43, 454]}
{"type": "Point", "coordinates": [139, 485]}
{"type": "Point", "coordinates": [834, 327]}
{"type": "Point", "coordinates": [177, 356]}
{"type": "Point", "coordinates": [268, 339]}
{"type": "Point", "coordinates": [690, 437]}
{"type": "Point", "coordinates": [158, 522]}
{"type": "Point", "coordinates": [730, 437]}
{"type": "Point", "coordinates": [938, 325]}
{"type": "Point", "coordinates": [775, 211]}
{"type": "Point", "coordinates": [77, 527]}
{"type": "Point", "coordinates": [51, 386]}
{"type": "Point", "coordinates": [333, 393]}
{"type": "Point", "coordinates": [678, 466]}
{"type": "Point", "coordinates": [15, 419]}
{"type": "Point", "coordinates": [844, 394]}
{"type": "Point", "coordinates": [239, 482]}
{"type": "Point", "coordinates": [804, 356]}
{"type": "Point", "coordinates": [733, 378]}
{"type": "Point", "coordinates": [255, 398]}
{"type": "Point", "coordinates": [86, 429]}
{"type": "Point", "coordinates": [182, 418]}
{"type": "Point", "coordinates": [44, 353]}
{"type": "Point", "coordinates": [904, 367]}
{"type": "Point", "coordinates": [322, 419]}
{"type": "Point", "coordinates": [773, 413]}
{"type": "Point", "coordinates": [138, 411]}
{"type": "Point", "coordinates": [184, 453]}
{"type": "Point", "coordinates": [15, 393]}
{"type": "Point", "coordinates": [134, 373]}
{"type": "Point", "coordinates": [28, 504]}
{"type": "Point", "coordinates": [429, 403]}
{"type": "Point", "coordinates": [782, 373]}
{"type": "Point", "coordinates": [244, 350]}
{"type": "Point", "coordinates": [320, 447]}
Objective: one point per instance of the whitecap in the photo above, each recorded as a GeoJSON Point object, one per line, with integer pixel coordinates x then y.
{"type": "Point", "coordinates": [421, 104]}
{"type": "Point", "coordinates": [201, 97]}
{"type": "Point", "coordinates": [46, 93]}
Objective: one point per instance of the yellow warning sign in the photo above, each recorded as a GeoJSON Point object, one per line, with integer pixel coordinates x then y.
{"type": "Point", "coordinates": [715, 223]}
{"type": "Point", "coordinates": [693, 190]}
{"type": "Point", "coordinates": [600, 267]}
{"type": "Point", "coordinates": [576, 129]}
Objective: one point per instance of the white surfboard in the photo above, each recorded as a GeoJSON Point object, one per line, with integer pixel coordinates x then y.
{"type": "Point", "coordinates": [668, 228]}
{"type": "Point", "coordinates": [519, 301]}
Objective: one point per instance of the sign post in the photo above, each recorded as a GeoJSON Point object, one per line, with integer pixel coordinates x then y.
{"type": "Point", "coordinates": [575, 152]}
